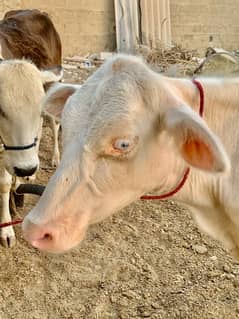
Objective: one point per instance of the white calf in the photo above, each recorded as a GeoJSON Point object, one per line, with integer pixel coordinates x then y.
{"type": "Point", "coordinates": [129, 131]}
{"type": "Point", "coordinates": [21, 92]}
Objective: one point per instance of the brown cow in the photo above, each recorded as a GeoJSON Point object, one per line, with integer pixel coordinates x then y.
{"type": "Point", "coordinates": [30, 34]}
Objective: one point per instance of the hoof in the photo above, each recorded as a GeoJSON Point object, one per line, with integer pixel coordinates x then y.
{"type": "Point", "coordinates": [7, 237]}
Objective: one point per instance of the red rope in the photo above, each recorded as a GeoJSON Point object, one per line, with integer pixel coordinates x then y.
{"type": "Point", "coordinates": [201, 93]}
{"type": "Point", "coordinates": [174, 191]}
{"type": "Point", "coordinates": [187, 171]}
{"type": "Point", "coordinates": [14, 222]}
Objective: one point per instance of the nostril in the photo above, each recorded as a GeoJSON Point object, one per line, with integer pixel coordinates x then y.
{"type": "Point", "coordinates": [44, 241]}
{"type": "Point", "coordinates": [47, 237]}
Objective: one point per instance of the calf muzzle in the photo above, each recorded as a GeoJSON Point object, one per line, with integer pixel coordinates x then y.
{"type": "Point", "coordinates": [22, 172]}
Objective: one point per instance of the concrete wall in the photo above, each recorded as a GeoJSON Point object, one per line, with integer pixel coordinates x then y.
{"type": "Point", "coordinates": [89, 25]}
{"type": "Point", "coordinates": [84, 25]}
{"type": "Point", "coordinates": [156, 23]}
{"type": "Point", "coordinates": [193, 22]}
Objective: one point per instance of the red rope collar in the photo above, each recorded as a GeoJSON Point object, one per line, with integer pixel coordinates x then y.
{"type": "Point", "coordinates": [187, 171]}
{"type": "Point", "coordinates": [14, 222]}
{"type": "Point", "coordinates": [171, 193]}
{"type": "Point", "coordinates": [201, 94]}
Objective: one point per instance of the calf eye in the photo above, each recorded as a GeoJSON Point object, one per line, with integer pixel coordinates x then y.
{"type": "Point", "coordinates": [122, 144]}
{"type": "Point", "coordinates": [121, 147]}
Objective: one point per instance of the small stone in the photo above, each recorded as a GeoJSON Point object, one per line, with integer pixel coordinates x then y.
{"type": "Point", "coordinates": [123, 302]}
{"type": "Point", "coordinates": [113, 299]}
{"type": "Point", "coordinates": [170, 238]}
{"type": "Point", "coordinates": [129, 294]}
{"type": "Point", "coordinates": [146, 314]}
{"type": "Point", "coordinates": [155, 305]}
{"type": "Point", "coordinates": [236, 283]}
{"type": "Point", "coordinates": [229, 276]}
{"type": "Point", "coordinates": [226, 268]}
{"type": "Point", "coordinates": [213, 258]}
{"type": "Point", "coordinates": [200, 249]}
{"type": "Point", "coordinates": [214, 274]}
{"type": "Point", "coordinates": [146, 295]}
{"type": "Point", "coordinates": [186, 245]}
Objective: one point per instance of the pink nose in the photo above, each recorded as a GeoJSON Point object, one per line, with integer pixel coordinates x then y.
{"type": "Point", "coordinates": [40, 236]}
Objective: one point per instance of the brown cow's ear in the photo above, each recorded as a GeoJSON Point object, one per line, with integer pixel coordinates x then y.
{"type": "Point", "coordinates": [197, 144]}
{"type": "Point", "coordinates": [56, 98]}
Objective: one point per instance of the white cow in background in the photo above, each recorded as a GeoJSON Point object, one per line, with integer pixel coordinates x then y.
{"type": "Point", "coordinates": [129, 131]}
{"type": "Point", "coordinates": [21, 92]}
{"type": "Point", "coordinates": [31, 34]}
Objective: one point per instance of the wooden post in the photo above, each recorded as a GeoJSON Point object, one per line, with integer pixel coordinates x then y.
{"type": "Point", "coordinates": [165, 23]}
{"type": "Point", "coordinates": [127, 28]}
{"type": "Point", "coordinates": [156, 24]}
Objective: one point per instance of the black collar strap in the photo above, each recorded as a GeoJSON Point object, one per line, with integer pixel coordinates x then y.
{"type": "Point", "coordinates": [19, 148]}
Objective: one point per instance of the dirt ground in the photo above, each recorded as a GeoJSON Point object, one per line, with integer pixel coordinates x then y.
{"type": "Point", "coordinates": [148, 261]}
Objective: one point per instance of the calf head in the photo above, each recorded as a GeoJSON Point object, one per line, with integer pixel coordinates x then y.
{"type": "Point", "coordinates": [21, 92]}
{"type": "Point", "coordinates": [126, 131]}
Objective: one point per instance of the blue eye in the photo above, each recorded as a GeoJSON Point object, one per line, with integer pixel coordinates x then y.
{"type": "Point", "coordinates": [122, 145]}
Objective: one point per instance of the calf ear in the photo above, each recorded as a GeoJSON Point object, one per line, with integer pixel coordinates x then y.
{"type": "Point", "coordinates": [56, 98]}
{"type": "Point", "coordinates": [197, 144]}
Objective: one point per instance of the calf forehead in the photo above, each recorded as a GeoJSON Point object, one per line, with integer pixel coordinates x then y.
{"type": "Point", "coordinates": [20, 89]}
{"type": "Point", "coordinates": [18, 67]}
{"type": "Point", "coordinates": [118, 96]}
{"type": "Point", "coordinates": [114, 117]}
{"type": "Point", "coordinates": [112, 100]}
{"type": "Point", "coordinates": [21, 75]}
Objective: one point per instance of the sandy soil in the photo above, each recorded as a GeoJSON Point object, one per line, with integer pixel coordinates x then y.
{"type": "Point", "coordinates": [148, 261]}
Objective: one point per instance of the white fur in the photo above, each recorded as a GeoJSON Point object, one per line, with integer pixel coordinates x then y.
{"type": "Point", "coordinates": [21, 88]}
{"type": "Point", "coordinates": [125, 99]}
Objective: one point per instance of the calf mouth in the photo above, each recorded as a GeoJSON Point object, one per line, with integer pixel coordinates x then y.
{"type": "Point", "coordinates": [23, 172]}
{"type": "Point", "coordinates": [51, 239]}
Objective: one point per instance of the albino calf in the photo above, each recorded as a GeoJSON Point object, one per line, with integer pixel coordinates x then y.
{"type": "Point", "coordinates": [21, 92]}
{"type": "Point", "coordinates": [129, 131]}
